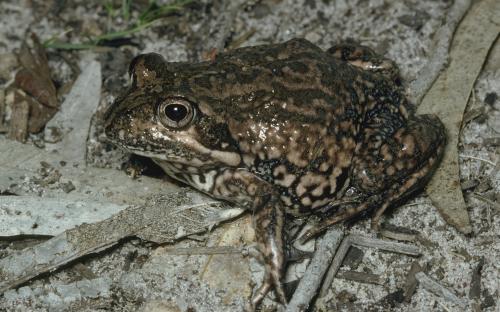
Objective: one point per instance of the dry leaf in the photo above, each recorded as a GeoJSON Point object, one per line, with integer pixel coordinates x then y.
{"type": "Point", "coordinates": [34, 79]}
{"type": "Point", "coordinates": [448, 98]}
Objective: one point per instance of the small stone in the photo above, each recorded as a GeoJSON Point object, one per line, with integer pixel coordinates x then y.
{"type": "Point", "coordinates": [353, 258]}
{"type": "Point", "coordinates": [67, 187]}
{"type": "Point", "coordinates": [490, 98]}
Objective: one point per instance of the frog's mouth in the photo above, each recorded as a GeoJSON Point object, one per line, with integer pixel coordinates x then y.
{"type": "Point", "coordinates": [185, 150]}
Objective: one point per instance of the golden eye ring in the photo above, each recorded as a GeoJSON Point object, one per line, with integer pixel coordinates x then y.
{"type": "Point", "coordinates": [175, 112]}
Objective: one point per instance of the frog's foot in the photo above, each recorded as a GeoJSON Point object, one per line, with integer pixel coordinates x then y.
{"type": "Point", "coordinates": [268, 224]}
{"type": "Point", "coordinates": [345, 212]}
{"type": "Point", "coordinates": [364, 58]}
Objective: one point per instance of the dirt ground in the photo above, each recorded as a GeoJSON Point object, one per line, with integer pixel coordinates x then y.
{"type": "Point", "coordinates": [192, 270]}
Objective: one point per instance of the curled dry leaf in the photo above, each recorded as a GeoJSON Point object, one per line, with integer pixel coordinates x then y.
{"type": "Point", "coordinates": [34, 79]}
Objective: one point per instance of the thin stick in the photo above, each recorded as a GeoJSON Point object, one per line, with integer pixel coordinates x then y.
{"type": "Point", "coordinates": [478, 158]}
{"type": "Point", "coordinates": [315, 271]}
{"type": "Point", "coordinates": [385, 245]}
{"type": "Point", "coordinates": [355, 239]}
{"type": "Point", "coordinates": [486, 200]}
{"type": "Point", "coordinates": [336, 263]}
{"type": "Point", "coordinates": [361, 277]}
{"type": "Point", "coordinates": [217, 250]}
{"type": "Point", "coordinates": [437, 289]}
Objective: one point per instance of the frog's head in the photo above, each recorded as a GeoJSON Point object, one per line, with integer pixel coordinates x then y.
{"type": "Point", "coordinates": [164, 115]}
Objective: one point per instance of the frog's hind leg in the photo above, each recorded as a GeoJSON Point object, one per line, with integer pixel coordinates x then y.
{"type": "Point", "coordinates": [397, 167]}
{"type": "Point", "coordinates": [385, 172]}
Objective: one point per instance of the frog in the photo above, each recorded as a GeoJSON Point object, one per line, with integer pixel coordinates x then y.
{"type": "Point", "coordinates": [283, 130]}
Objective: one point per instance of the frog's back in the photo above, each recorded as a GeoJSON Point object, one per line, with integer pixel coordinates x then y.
{"type": "Point", "coordinates": [290, 108]}
{"type": "Point", "coordinates": [293, 110]}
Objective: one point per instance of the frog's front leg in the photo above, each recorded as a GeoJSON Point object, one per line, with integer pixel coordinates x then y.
{"type": "Point", "coordinates": [242, 187]}
{"type": "Point", "coordinates": [268, 224]}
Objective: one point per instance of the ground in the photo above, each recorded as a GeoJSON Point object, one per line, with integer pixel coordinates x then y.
{"type": "Point", "coordinates": [136, 274]}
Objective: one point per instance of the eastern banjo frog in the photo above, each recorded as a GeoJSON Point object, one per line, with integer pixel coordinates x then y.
{"type": "Point", "coordinates": [281, 129]}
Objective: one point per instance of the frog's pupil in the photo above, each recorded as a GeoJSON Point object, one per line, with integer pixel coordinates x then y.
{"type": "Point", "coordinates": [176, 112]}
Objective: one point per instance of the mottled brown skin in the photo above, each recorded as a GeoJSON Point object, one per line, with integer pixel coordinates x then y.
{"type": "Point", "coordinates": [281, 129]}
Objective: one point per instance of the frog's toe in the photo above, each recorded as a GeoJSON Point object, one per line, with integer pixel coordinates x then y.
{"type": "Point", "coordinates": [278, 288]}
{"type": "Point", "coordinates": [272, 280]}
{"type": "Point", "coordinates": [261, 292]}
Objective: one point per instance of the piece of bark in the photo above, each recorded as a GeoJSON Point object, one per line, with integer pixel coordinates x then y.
{"type": "Point", "coordinates": [2, 111]}
{"type": "Point", "coordinates": [72, 122]}
{"type": "Point", "coordinates": [411, 281]}
{"type": "Point", "coordinates": [18, 128]}
{"type": "Point", "coordinates": [469, 184]}
{"type": "Point", "coordinates": [214, 250]}
{"type": "Point", "coordinates": [45, 216]}
{"type": "Point", "coordinates": [475, 285]}
{"type": "Point", "coordinates": [449, 96]}
{"type": "Point", "coordinates": [399, 233]}
{"type": "Point", "coordinates": [20, 166]}
{"type": "Point", "coordinates": [162, 219]}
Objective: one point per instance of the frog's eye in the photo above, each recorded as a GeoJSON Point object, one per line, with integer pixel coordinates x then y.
{"type": "Point", "coordinates": [175, 112]}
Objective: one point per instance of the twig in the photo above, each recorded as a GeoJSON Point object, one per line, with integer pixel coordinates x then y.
{"type": "Point", "coordinates": [486, 200]}
{"type": "Point", "coordinates": [443, 306]}
{"type": "Point", "coordinates": [216, 250]}
{"type": "Point", "coordinates": [315, 271]}
{"type": "Point", "coordinates": [400, 236]}
{"type": "Point", "coordinates": [237, 42]}
{"type": "Point", "coordinates": [355, 239]}
{"type": "Point", "coordinates": [429, 73]}
{"type": "Point", "coordinates": [384, 245]}
{"type": "Point", "coordinates": [336, 263]}
{"type": "Point", "coordinates": [469, 184]}
{"type": "Point", "coordinates": [478, 158]}
{"type": "Point", "coordinates": [361, 277]}
{"type": "Point", "coordinates": [437, 289]}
